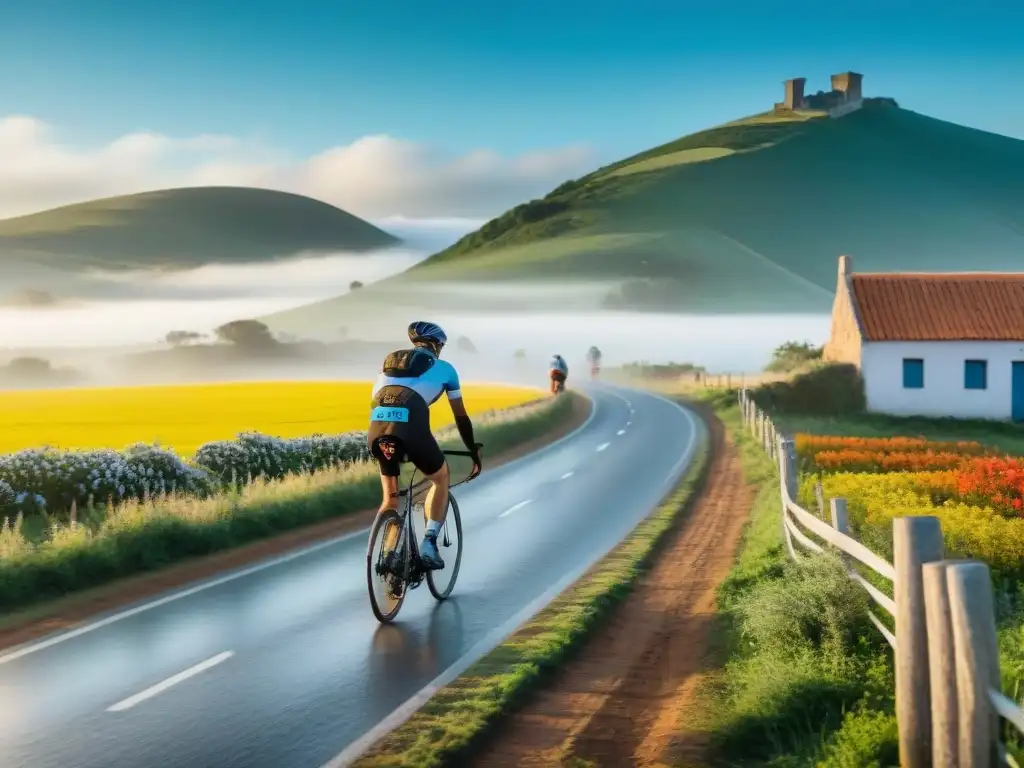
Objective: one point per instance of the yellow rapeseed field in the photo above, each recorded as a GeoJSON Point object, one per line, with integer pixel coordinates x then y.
{"type": "Point", "coordinates": [184, 417]}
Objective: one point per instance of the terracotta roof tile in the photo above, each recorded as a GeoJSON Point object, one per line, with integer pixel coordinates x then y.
{"type": "Point", "coordinates": [977, 306]}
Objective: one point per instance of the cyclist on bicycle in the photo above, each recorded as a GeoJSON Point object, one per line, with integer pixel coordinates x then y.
{"type": "Point", "coordinates": [559, 372]}
{"type": "Point", "coordinates": [594, 356]}
{"type": "Point", "coordinates": [411, 380]}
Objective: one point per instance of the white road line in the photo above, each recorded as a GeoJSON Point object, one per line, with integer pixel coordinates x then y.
{"type": "Point", "coordinates": [629, 423]}
{"type": "Point", "coordinates": [566, 476]}
{"type": "Point", "coordinates": [49, 642]}
{"type": "Point", "coordinates": [602, 446]}
{"type": "Point", "coordinates": [159, 688]}
{"type": "Point", "coordinates": [514, 507]}
{"type": "Point", "coordinates": [621, 432]}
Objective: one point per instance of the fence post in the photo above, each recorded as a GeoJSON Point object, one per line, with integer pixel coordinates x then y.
{"type": "Point", "coordinates": [977, 661]}
{"type": "Point", "coordinates": [788, 485]}
{"type": "Point", "coordinates": [841, 522]}
{"type": "Point", "coordinates": [942, 665]}
{"type": "Point", "coordinates": [819, 496]}
{"type": "Point", "coordinates": [916, 541]}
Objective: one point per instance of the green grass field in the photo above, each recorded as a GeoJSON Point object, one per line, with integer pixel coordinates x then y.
{"type": "Point", "coordinates": [751, 216]}
{"type": "Point", "coordinates": [183, 228]}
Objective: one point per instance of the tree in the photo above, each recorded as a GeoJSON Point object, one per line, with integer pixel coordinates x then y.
{"type": "Point", "coordinates": [355, 285]}
{"type": "Point", "coordinates": [29, 366]}
{"type": "Point", "coordinates": [463, 344]}
{"type": "Point", "coordinates": [520, 354]}
{"type": "Point", "coordinates": [181, 338]}
{"type": "Point", "coordinates": [792, 355]}
{"type": "Point", "coordinates": [251, 334]}
{"type": "Point", "coordinates": [33, 297]}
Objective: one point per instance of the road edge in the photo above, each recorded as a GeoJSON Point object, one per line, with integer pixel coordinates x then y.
{"type": "Point", "coordinates": [78, 610]}
{"type": "Point", "coordinates": [549, 630]}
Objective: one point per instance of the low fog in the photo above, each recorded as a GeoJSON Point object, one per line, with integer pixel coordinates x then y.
{"type": "Point", "coordinates": [138, 309]}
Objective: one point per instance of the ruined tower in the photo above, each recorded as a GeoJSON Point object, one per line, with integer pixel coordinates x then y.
{"type": "Point", "coordinates": [795, 92]}
{"type": "Point", "coordinates": [849, 84]}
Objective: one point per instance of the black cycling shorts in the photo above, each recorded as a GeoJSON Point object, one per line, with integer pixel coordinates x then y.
{"type": "Point", "coordinates": [557, 376]}
{"type": "Point", "coordinates": [415, 441]}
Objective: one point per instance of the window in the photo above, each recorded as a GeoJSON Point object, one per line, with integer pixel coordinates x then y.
{"type": "Point", "coordinates": [975, 374]}
{"type": "Point", "coordinates": [913, 373]}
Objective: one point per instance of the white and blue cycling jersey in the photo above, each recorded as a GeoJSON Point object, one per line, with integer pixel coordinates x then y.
{"type": "Point", "coordinates": [558, 364]}
{"type": "Point", "coordinates": [440, 377]}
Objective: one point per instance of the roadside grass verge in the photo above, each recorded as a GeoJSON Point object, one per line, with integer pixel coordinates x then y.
{"type": "Point", "coordinates": [457, 720]}
{"type": "Point", "coordinates": [139, 537]}
{"type": "Point", "coordinates": [808, 681]}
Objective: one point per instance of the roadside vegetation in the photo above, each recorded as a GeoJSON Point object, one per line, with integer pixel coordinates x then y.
{"type": "Point", "coordinates": [807, 681]}
{"type": "Point", "coordinates": [95, 544]}
{"type": "Point", "coordinates": [967, 473]}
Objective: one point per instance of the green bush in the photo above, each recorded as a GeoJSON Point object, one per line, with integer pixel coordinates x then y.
{"type": "Point", "coordinates": [809, 681]}
{"type": "Point", "coordinates": [826, 390]}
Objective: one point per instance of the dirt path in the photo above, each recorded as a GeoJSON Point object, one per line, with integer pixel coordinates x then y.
{"type": "Point", "coordinates": [74, 610]}
{"type": "Point", "coordinates": [619, 703]}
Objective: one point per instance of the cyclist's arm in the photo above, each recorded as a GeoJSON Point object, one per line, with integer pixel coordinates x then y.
{"type": "Point", "coordinates": [458, 405]}
{"type": "Point", "coordinates": [463, 423]}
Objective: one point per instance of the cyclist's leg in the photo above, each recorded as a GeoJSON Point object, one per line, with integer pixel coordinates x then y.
{"type": "Point", "coordinates": [390, 466]}
{"type": "Point", "coordinates": [426, 454]}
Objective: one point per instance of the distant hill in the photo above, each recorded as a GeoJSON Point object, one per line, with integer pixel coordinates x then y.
{"type": "Point", "coordinates": [182, 228]}
{"type": "Point", "coordinates": [750, 217]}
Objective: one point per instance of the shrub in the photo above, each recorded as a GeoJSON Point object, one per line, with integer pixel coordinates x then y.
{"type": "Point", "coordinates": [792, 355]}
{"type": "Point", "coordinates": [808, 445]}
{"type": "Point", "coordinates": [254, 455]}
{"type": "Point", "coordinates": [826, 390]}
{"type": "Point", "coordinates": [876, 461]}
{"type": "Point", "coordinates": [44, 479]}
{"type": "Point", "coordinates": [999, 482]}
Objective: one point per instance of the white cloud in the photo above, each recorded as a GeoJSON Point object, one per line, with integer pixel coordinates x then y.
{"type": "Point", "coordinates": [375, 176]}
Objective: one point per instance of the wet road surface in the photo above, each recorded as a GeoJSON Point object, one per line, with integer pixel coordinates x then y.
{"type": "Point", "coordinates": [286, 665]}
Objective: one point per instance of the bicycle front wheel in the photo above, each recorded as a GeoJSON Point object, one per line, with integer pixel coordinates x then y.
{"type": "Point", "coordinates": [449, 545]}
{"type": "Point", "coordinates": [387, 588]}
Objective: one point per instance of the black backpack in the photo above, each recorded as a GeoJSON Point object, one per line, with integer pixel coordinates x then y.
{"type": "Point", "coordinates": [408, 363]}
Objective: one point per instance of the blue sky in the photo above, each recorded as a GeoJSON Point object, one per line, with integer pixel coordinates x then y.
{"type": "Point", "coordinates": [513, 77]}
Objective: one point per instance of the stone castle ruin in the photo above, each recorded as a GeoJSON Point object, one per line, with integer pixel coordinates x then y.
{"type": "Point", "coordinates": [846, 95]}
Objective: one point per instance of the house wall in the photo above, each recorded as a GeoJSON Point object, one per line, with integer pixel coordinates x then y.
{"type": "Point", "coordinates": [943, 393]}
{"type": "Point", "coordinates": [844, 341]}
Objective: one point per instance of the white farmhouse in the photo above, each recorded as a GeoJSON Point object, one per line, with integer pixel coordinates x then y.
{"type": "Point", "coordinates": [945, 344]}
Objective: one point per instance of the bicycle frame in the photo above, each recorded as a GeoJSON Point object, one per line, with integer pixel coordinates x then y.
{"type": "Point", "coordinates": [415, 572]}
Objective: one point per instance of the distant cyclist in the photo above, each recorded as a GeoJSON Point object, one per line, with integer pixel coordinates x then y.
{"type": "Point", "coordinates": [558, 371]}
{"type": "Point", "coordinates": [594, 357]}
{"type": "Point", "coordinates": [411, 380]}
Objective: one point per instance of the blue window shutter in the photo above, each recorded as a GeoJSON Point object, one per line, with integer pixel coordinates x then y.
{"type": "Point", "coordinates": [975, 374]}
{"type": "Point", "coordinates": [913, 373]}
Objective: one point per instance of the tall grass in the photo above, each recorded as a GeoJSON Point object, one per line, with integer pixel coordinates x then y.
{"type": "Point", "coordinates": [808, 682]}
{"type": "Point", "coordinates": [140, 536]}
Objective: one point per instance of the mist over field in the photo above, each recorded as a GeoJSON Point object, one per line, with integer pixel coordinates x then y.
{"type": "Point", "coordinates": [139, 308]}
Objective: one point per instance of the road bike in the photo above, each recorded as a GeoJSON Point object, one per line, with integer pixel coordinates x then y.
{"type": "Point", "coordinates": [399, 568]}
{"type": "Point", "coordinates": [557, 382]}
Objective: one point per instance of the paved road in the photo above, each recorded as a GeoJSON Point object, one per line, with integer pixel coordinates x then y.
{"type": "Point", "coordinates": [286, 665]}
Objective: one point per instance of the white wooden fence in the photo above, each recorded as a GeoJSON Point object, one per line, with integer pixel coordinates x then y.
{"type": "Point", "coordinates": [949, 698]}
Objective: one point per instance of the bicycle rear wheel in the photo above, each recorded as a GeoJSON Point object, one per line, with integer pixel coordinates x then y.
{"type": "Point", "coordinates": [442, 582]}
{"type": "Point", "coordinates": [387, 529]}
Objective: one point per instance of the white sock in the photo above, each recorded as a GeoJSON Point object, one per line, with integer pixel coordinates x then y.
{"type": "Point", "coordinates": [433, 527]}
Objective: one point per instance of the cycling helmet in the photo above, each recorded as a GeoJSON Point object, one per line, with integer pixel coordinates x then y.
{"type": "Point", "coordinates": [422, 333]}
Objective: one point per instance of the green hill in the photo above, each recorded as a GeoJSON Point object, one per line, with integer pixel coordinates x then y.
{"type": "Point", "coordinates": [750, 216]}
{"type": "Point", "coordinates": [180, 228]}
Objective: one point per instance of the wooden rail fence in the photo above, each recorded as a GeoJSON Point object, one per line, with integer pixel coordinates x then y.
{"type": "Point", "coordinates": [949, 699]}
